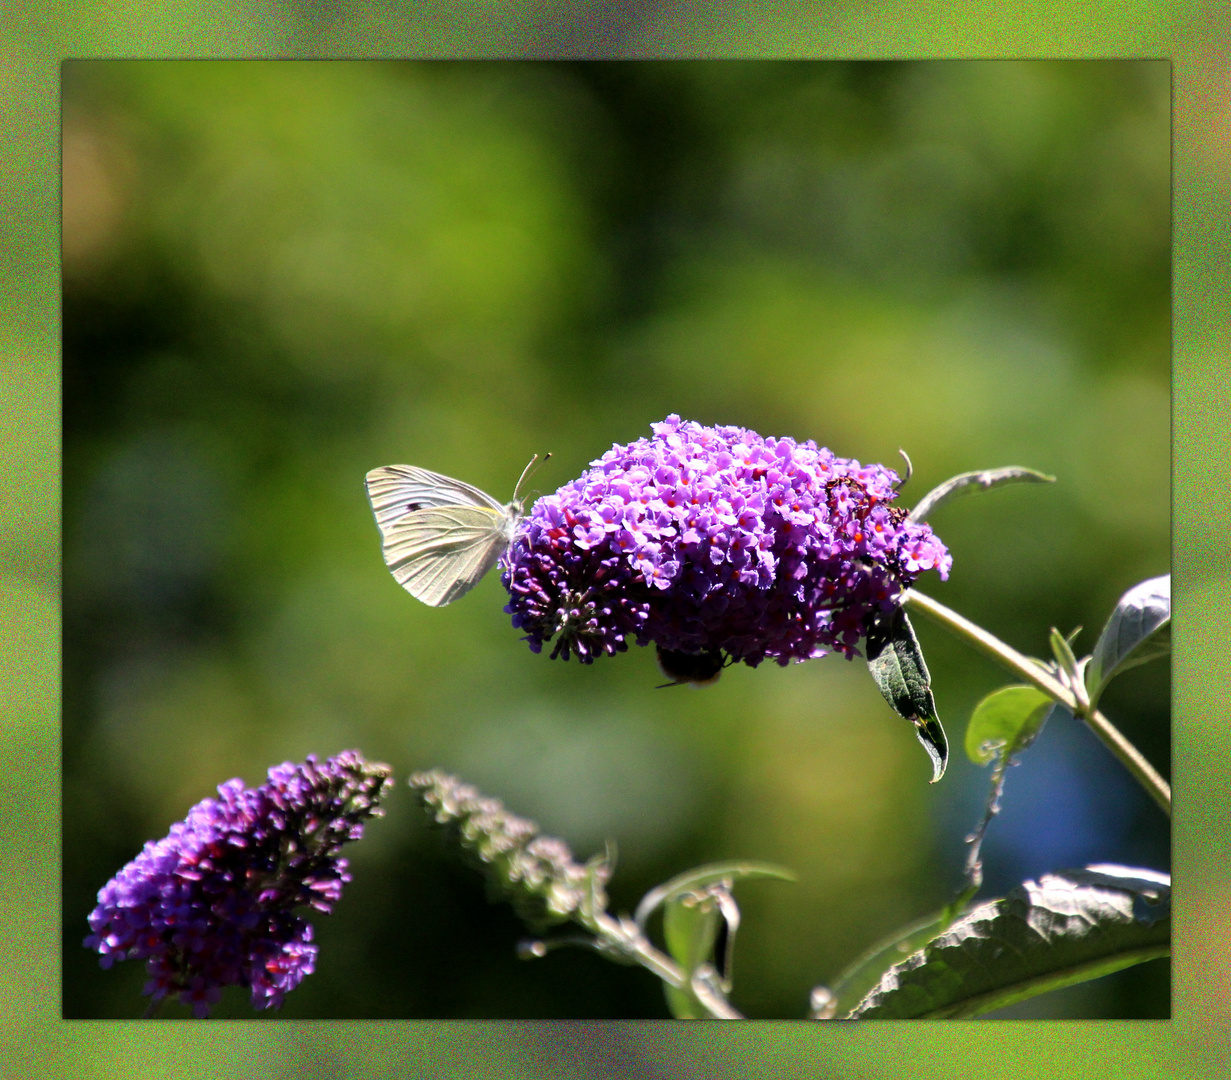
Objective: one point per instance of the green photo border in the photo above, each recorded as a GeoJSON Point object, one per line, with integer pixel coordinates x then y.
{"type": "Point", "coordinates": [37, 1043]}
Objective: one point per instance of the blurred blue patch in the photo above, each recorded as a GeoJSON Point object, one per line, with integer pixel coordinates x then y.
{"type": "Point", "coordinates": [1067, 803]}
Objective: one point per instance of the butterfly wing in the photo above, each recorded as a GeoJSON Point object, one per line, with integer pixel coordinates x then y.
{"type": "Point", "coordinates": [440, 553]}
{"type": "Point", "coordinates": [398, 490]}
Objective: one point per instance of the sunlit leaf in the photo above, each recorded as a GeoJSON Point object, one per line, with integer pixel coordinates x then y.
{"type": "Point", "coordinates": [1006, 721]}
{"type": "Point", "coordinates": [896, 663]}
{"type": "Point", "coordinates": [1063, 929]}
{"type": "Point", "coordinates": [861, 976]}
{"type": "Point", "coordinates": [982, 480]}
{"type": "Point", "coordinates": [1139, 630]}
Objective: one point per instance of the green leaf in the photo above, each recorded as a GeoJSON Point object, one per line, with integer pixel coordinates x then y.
{"type": "Point", "coordinates": [1139, 630]}
{"type": "Point", "coordinates": [861, 976]}
{"type": "Point", "coordinates": [683, 1005]}
{"type": "Point", "coordinates": [691, 923]}
{"type": "Point", "coordinates": [982, 480]}
{"type": "Point", "coordinates": [1064, 929]}
{"type": "Point", "coordinates": [1062, 650]}
{"type": "Point", "coordinates": [699, 877]}
{"type": "Point", "coordinates": [1006, 722]}
{"type": "Point", "coordinates": [896, 663]}
{"type": "Point", "coordinates": [695, 906]}
{"type": "Point", "coordinates": [690, 929]}
{"type": "Point", "coordinates": [599, 869]}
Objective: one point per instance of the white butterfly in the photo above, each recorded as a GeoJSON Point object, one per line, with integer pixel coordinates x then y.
{"type": "Point", "coordinates": [440, 535]}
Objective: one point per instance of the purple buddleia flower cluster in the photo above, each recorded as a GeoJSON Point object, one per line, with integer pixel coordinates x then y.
{"type": "Point", "coordinates": [713, 540]}
{"type": "Point", "coordinates": [213, 903]}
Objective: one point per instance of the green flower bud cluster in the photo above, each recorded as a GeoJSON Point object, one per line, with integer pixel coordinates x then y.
{"type": "Point", "coordinates": [536, 873]}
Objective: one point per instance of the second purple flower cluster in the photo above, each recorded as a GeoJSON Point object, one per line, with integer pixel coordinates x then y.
{"type": "Point", "coordinates": [708, 540]}
{"type": "Point", "coordinates": [213, 904]}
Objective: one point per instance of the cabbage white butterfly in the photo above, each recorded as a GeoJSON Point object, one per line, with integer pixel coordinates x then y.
{"type": "Point", "coordinates": [440, 536]}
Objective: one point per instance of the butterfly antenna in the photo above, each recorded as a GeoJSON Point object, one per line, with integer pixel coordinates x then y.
{"type": "Point", "coordinates": [530, 467]}
{"type": "Point", "coordinates": [909, 471]}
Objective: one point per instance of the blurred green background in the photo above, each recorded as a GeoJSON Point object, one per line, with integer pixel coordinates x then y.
{"type": "Point", "coordinates": [277, 276]}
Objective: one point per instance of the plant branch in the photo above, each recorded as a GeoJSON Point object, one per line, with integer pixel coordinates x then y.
{"type": "Point", "coordinates": [1035, 673]}
{"type": "Point", "coordinates": [625, 937]}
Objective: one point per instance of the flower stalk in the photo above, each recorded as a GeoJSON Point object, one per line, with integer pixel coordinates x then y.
{"type": "Point", "coordinates": [547, 886]}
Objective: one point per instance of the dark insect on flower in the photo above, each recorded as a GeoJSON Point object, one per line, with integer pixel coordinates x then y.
{"type": "Point", "coordinates": [213, 903]}
{"type": "Point", "coordinates": [714, 540]}
{"type": "Point", "coordinates": [699, 669]}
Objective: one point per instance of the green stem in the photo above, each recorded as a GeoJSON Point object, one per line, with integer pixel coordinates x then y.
{"type": "Point", "coordinates": [1033, 672]}
{"type": "Point", "coordinates": [625, 936]}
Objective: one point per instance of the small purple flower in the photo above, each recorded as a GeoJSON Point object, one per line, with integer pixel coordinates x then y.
{"type": "Point", "coordinates": [708, 540]}
{"type": "Point", "coordinates": [212, 904]}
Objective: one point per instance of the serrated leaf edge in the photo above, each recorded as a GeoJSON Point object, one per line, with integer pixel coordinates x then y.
{"type": "Point", "coordinates": [1005, 995]}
